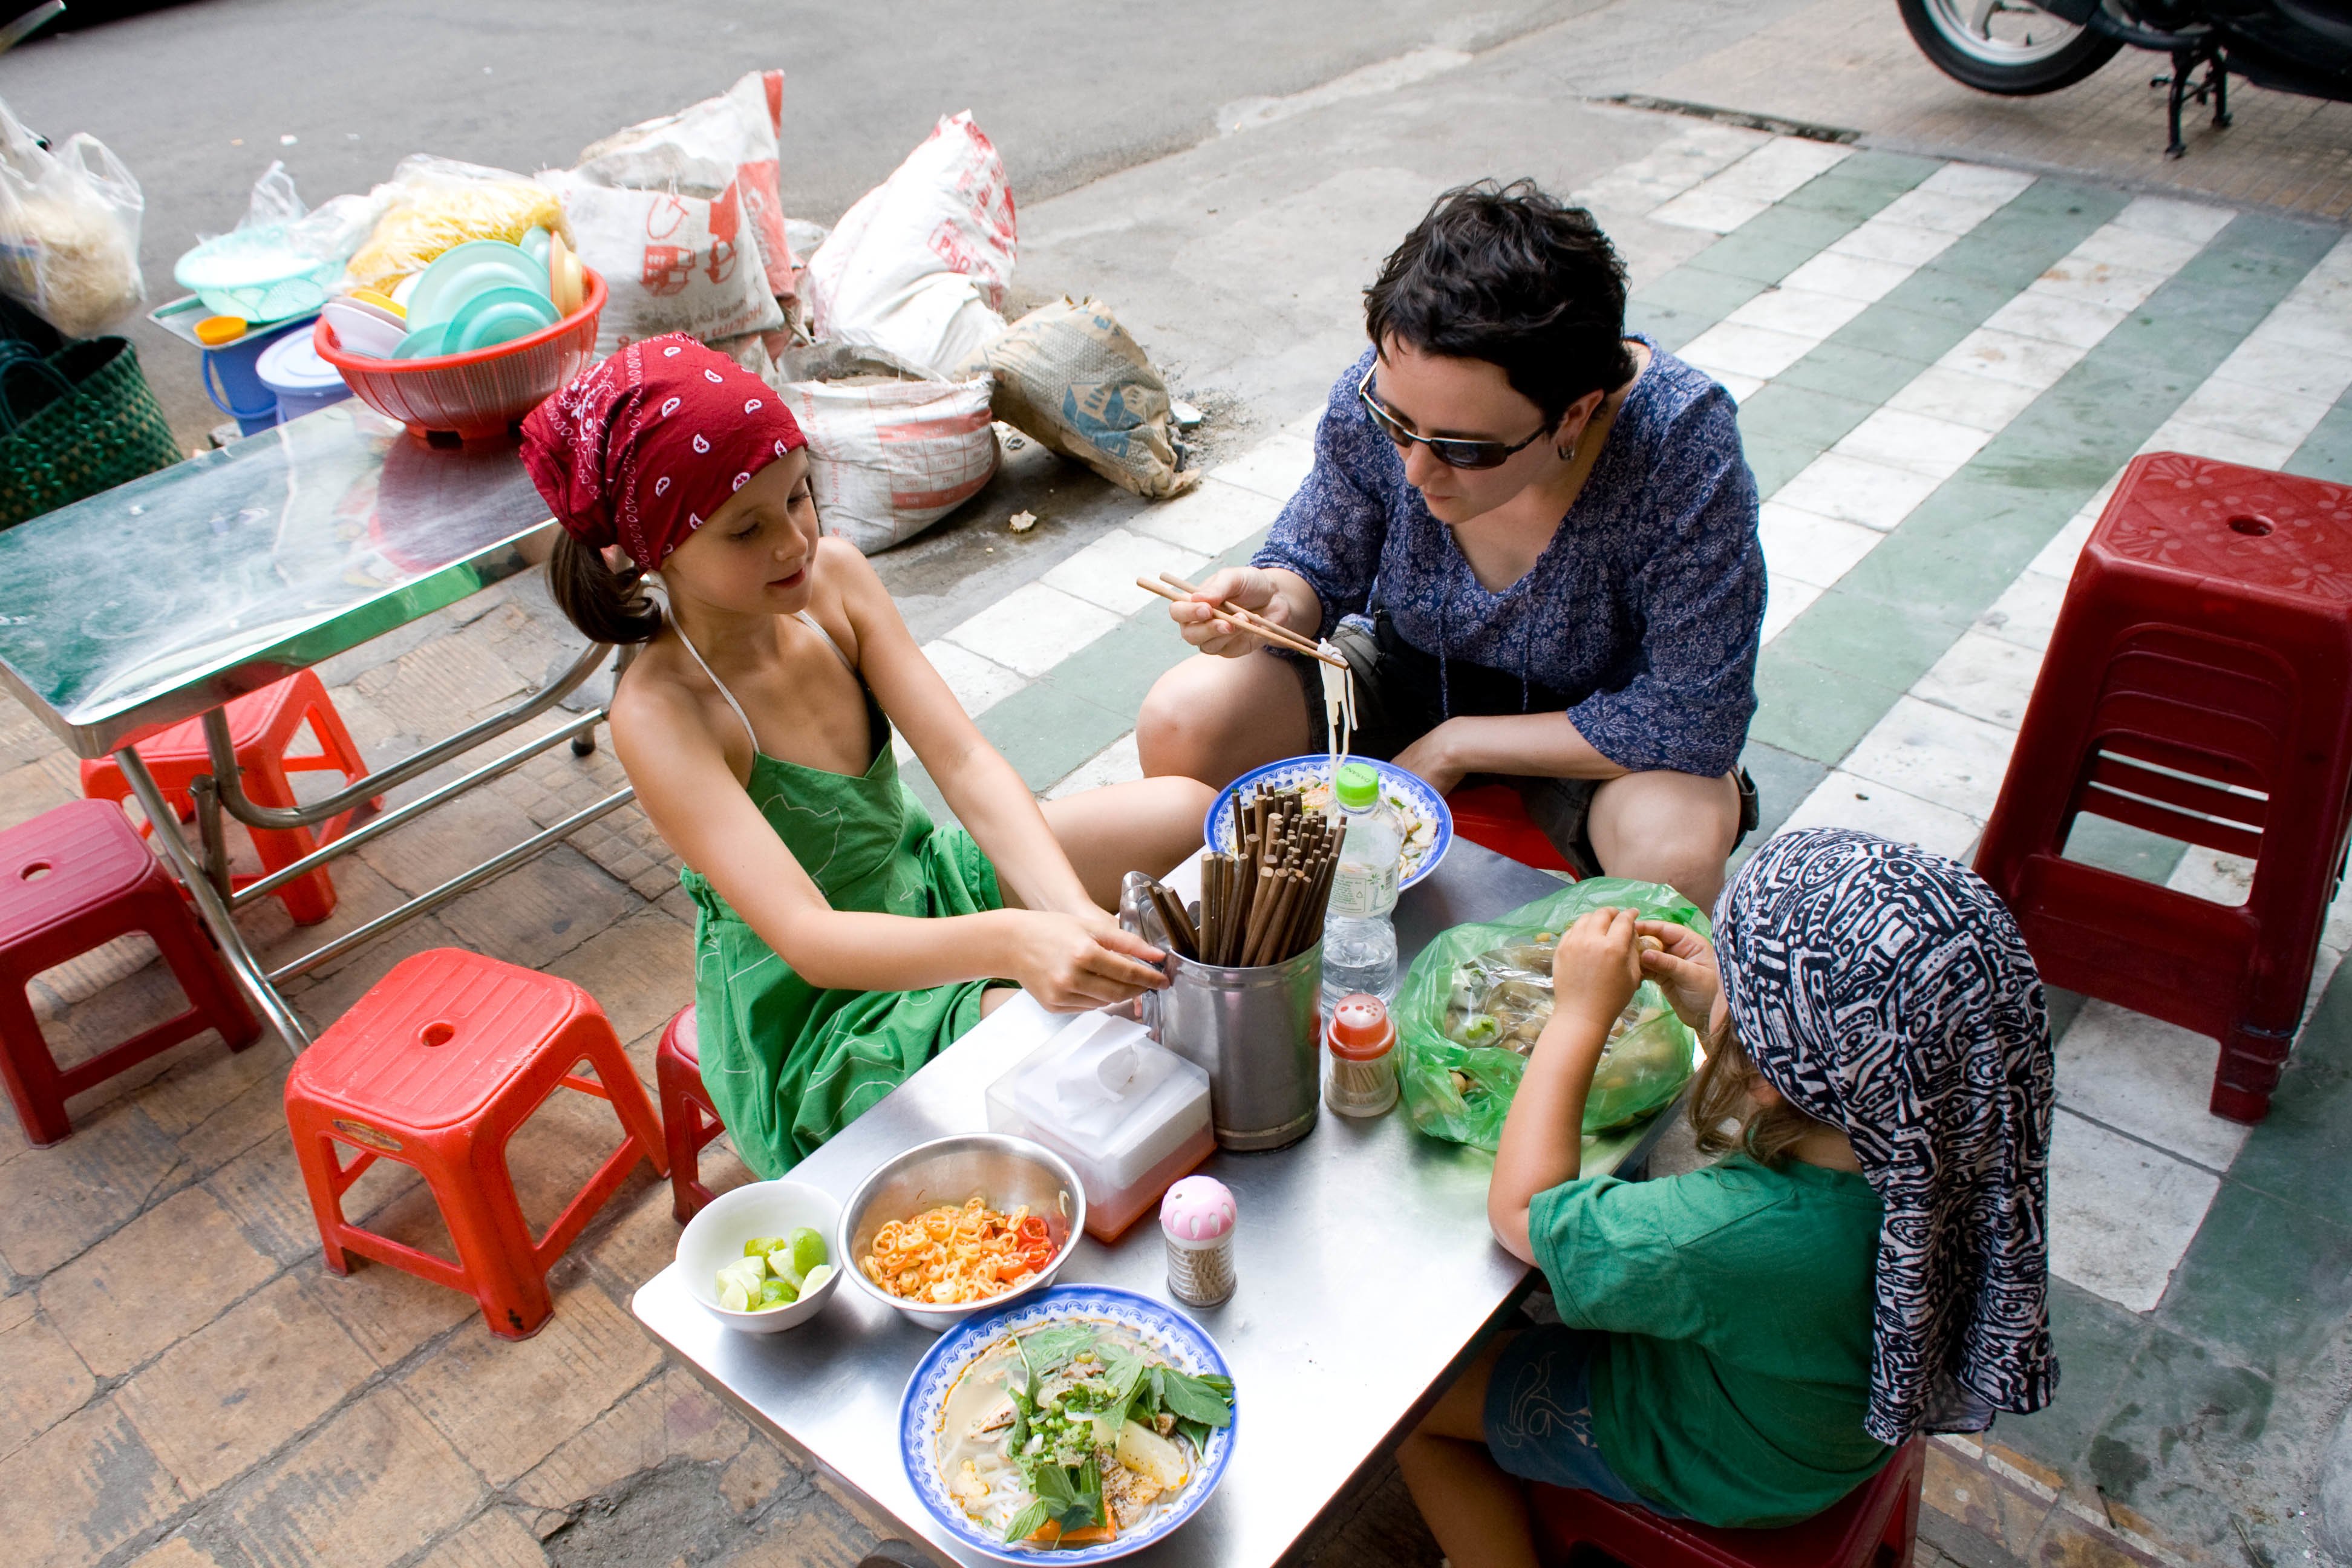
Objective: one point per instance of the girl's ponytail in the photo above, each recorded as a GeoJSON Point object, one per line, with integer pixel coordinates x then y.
{"type": "Point", "coordinates": [608, 606]}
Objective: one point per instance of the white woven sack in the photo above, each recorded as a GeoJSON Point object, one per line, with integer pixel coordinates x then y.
{"type": "Point", "coordinates": [887, 459]}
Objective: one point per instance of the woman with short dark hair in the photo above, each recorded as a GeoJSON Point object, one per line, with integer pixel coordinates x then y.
{"type": "Point", "coordinates": [1534, 539]}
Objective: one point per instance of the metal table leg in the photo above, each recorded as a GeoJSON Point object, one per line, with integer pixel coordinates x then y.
{"type": "Point", "coordinates": [210, 902]}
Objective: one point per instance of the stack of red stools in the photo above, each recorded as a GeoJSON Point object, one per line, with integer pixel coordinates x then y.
{"type": "Point", "coordinates": [435, 1068]}
{"type": "Point", "coordinates": [262, 727]}
{"type": "Point", "coordinates": [1876, 1525]}
{"type": "Point", "coordinates": [2198, 686]}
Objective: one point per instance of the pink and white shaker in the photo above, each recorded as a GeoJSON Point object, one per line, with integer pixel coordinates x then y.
{"type": "Point", "coordinates": [1197, 1218]}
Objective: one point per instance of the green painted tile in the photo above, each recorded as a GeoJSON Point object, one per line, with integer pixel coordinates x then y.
{"type": "Point", "coordinates": [1865, 375]}
{"type": "Point", "coordinates": [2326, 452]}
{"type": "Point", "coordinates": [2296, 1153]}
{"type": "Point", "coordinates": [1889, 644]}
{"type": "Point", "coordinates": [1852, 200]}
{"type": "Point", "coordinates": [1960, 551]}
{"type": "Point", "coordinates": [2124, 849]}
{"type": "Point", "coordinates": [1709, 296]}
{"type": "Point", "coordinates": [2166, 343]}
{"type": "Point", "coordinates": [1045, 729]}
{"type": "Point", "coordinates": [1670, 329]}
{"type": "Point", "coordinates": [1905, 333]}
{"type": "Point", "coordinates": [2018, 244]}
{"type": "Point", "coordinates": [2096, 1342]}
{"type": "Point", "coordinates": [2265, 1283]}
{"type": "Point", "coordinates": [2056, 198]}
{"type": "Point", "coordinates": [1799, 417]}
{"type": "Point", "coordinates": [1775, 463]}
{"type": "Point", "coordinates": [1796, 225]}
{"type": "Point", "coordinates": [1783, 780]}
{"type": "Point", "coordinates": [1810, 713]}
{"type": "Point", "coordinates": [1749, 255]}
{"type": "Point", "coordinates": [1951, 296]}
{"type": "Point", "coordinates": [2181, 1412]}
{"type": "Point", "coordinates": [1896, 170]}
{"type": "Point", "coordinates": [1117, 670]}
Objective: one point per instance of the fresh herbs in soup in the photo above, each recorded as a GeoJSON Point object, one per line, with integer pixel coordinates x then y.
{"type": "Point", "coordinates": [1075, 1434]}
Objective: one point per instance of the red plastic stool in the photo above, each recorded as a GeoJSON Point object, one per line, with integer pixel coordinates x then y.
{"type": "Point", "coordinates": [435, 1068]}
{"type": "Point", "coordinates": [2194, 688]}
{"type": "Point", "coordinates": [262, 726]}
{"type": "Point", "coordinates": [1875, 1526]}
{"type": "Point", "coordinates": [71, 880]}
{"type": "Point", "coordinates": [1493, 816]}
{"type": "Point", "coordinates": [689, 1122]}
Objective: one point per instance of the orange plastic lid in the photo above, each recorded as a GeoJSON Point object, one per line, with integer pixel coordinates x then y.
{"type": "Point", "coordinates": [214, 331]}
{"type": "Point", "coordinates": [1360, 1028]}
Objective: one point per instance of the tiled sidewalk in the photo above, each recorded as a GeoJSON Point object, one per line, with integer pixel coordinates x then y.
{"type": "Point", "coordinates": [1942, 367]}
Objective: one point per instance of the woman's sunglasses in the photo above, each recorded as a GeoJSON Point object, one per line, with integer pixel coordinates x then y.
{"type": "Point", "coordinates": [1452, 453]}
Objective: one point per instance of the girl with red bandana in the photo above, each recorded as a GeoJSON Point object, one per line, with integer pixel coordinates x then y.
{"type": "Point", "coordinates": [841, 939]}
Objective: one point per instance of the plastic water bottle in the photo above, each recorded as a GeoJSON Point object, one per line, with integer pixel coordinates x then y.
{"type": "Point", "coordinates": [1360, 947]}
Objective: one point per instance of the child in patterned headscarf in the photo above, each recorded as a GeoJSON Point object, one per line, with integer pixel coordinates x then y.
{"type": "Point", "coordinates": [840, 938]}
{"type": "Point", "coordinates": [1745, 1343]}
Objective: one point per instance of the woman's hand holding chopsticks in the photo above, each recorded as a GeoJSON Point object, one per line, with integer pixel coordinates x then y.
{"type": "Point", "coordinates": [1281, 598]}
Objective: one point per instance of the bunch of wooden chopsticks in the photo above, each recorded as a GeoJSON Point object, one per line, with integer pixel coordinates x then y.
{"type": "Point", "coordinates": [1174, 588]}
{"type": "Point", "coordinates": [1264, 903]}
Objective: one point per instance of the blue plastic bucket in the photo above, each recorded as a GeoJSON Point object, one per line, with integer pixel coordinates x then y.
{"type": "Point", "coordinates": [233, 380]}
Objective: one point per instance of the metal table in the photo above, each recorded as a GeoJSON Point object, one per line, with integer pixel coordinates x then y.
{"type": "Point", "coordinates": [158, 601]}
{"type": "Point", "coordinates": [1368, 1276]}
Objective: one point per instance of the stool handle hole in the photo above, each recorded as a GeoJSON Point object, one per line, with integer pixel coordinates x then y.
{"type": "Point", "coordinates": [35, 871]}
{"type": "Point", "coordinates": [2253, 524]}
{"type": "Point", "coordinates": [437, 1034]}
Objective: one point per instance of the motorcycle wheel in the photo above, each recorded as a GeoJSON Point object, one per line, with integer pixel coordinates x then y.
{"type": "Point", "coordinates": [2006, 47]}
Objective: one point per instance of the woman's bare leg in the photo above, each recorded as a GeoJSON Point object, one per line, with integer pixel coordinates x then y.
{"type": "Point", "coordinates": [1149, 824]}
{"type": "Point", "coordinates": [1675, 828]}
{"type": "Point", "coordinates": [1476, 1511]}
{"type": "Point", "coordinates": [1216, 719]}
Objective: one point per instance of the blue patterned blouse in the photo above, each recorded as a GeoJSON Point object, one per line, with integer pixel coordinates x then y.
{"type": "Point", "coordinates": [1646, 607]}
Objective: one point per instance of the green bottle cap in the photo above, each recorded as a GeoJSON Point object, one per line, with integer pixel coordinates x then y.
{"type": "Point", "coordinates": [1358, 786]}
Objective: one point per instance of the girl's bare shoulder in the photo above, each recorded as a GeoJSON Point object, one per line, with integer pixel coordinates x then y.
{"type": "Point", "coordinates": [657, 696]}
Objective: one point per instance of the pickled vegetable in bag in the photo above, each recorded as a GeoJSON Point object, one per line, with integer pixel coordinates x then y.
{"type": "Point", "coordinates": [1475, 999]}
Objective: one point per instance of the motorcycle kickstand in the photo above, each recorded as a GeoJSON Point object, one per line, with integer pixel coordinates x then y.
{"type": "Point", "coordinates": [2215, 88]}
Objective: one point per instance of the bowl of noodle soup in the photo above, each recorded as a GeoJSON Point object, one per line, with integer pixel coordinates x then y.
{"type": "Point", "coordinates": [961, 1225]}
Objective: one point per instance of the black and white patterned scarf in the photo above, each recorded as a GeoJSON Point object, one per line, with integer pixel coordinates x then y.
{"type": "Point", "coordinates": [1885, 991]}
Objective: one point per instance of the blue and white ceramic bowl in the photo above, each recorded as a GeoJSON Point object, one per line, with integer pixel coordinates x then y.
{"type": "Point", "coordinates": [1410, 792]}
{"type": "Point", "coordinates": [1167, 1330]}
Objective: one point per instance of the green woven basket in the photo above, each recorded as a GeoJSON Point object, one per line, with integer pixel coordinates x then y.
{"type": "Point", "coordinates": [80, 421]}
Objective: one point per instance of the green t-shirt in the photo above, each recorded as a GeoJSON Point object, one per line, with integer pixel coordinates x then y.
{"type": "Point", "coordinates": [1737, 1300]}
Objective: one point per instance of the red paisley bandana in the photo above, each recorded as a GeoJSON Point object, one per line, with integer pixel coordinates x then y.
{"type": "Point", "coordinates": [643, 447]}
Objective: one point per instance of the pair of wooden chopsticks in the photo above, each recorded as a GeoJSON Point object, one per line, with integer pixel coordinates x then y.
{"type": "Point", "coordinates": [1175, 589]}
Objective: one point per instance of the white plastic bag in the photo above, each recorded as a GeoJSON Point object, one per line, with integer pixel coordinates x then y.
{"type": "Point", "coordinates": [702, 149]}
{"type": "Point", "coordinates": [890, 458]}
{"type": "Point", "coordinates": [672, 263]}
{"type": "Point", "coordinates": [920, 266]}
{"type": "Point", "coordinates": [69, 230]}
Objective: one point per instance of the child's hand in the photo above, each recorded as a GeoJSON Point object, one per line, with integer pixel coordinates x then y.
{"type": "Point", "coordinates": [1071, 962]}
{"type": "Point", "coordinates": [1684, 969]}
{"type": "Point", "coordinates": [1596, 968]}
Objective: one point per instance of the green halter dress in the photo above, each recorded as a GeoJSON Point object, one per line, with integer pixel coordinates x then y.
{"type": "Point", "coordinates": [789, 1064]}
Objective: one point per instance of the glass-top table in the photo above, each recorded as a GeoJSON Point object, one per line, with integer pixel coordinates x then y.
{"type": "Point", "coordinates": [1367, 1276]}
{"type": "Point", "coordinates": [158, 601]}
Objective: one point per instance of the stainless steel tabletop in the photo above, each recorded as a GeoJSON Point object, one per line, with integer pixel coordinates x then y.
{"type": "Point", "coordinates": [1366, 1272]}
{"type": "Point", "coordinates": [163, 598]}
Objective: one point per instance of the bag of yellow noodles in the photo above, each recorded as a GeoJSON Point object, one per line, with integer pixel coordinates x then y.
{"type": "Point", "coordinates": [439, 202]}
{"type": "Point", "coordinates": [1475, 1000]}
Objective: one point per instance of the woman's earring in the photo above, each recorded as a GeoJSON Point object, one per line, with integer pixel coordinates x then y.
{"type": "Point", "coordinates": [1567, 453]}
